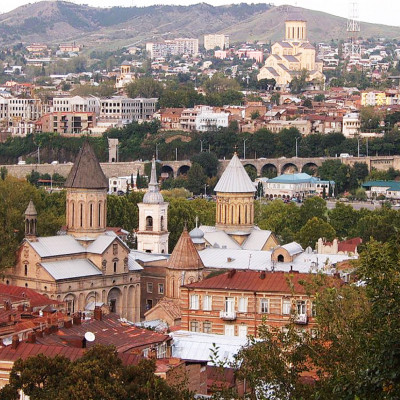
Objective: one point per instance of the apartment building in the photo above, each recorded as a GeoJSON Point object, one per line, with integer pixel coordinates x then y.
{"type": "Point", "coordinates": [237, 302]}
{"type": "Point", "coordinates": [24, 109]}
{"type": "Point", "coordinates": [126, 109]}
{"type": "Point", "coordinates": [203, 118]}
{"type": "Point", "coordinates": [351, 125]}
{"type": "Point", "coordinates": [90, 104]}
{"type": "Point", "coordinates": [213, 41]}
{"type": "Point", "coordinates": [67, 123]}
{"type": "Point", "coordinates": [179, 46]}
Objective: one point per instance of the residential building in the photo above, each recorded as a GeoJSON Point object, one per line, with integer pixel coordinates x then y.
{"type": "Point", "coordinates": [118, 184]}
{"type": "Point", "coordinates": [179, 46]}
{"type": "Point", "coordinates": [87, 264]}
{"type": "Point", "coordinates": [24, 109]}
{"type": "Point", "coordinates": [351, 125]}
{"type": "Point", "coordinates": [303, 125]}
{"type": "Point", "coordinates": [298, 185]}
{"type": "Point", "coordinates": [373, 98]}
{"type": "Point", "coordinates": [169, 118]}
{"type": "Point", "coordinates": [126, 110]}
{"type": "Point", "coordinates": [90, 104]}
{"type": "Point", "coordinates": [212, 41]}
{"type": "Point", "coordinates": [348, 246]}
{"type": "Point", "coordinates": [67, 123]}
{"type": "Point", "coordinates": [237, 302]}
{"type": "Point", "coordinates": [292, 55]}
{"type": "Point", "coordinates": [70, 47]}
{"type": "Point", "coordinates": [209, 119]}
{"type": "Point", "coordinates": [387, 189]}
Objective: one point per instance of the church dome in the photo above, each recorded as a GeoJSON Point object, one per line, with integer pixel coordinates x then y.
{"type": "Point", "coordinates": [153, 195]}
{"type": "Point", "coordinates": [197, 235]}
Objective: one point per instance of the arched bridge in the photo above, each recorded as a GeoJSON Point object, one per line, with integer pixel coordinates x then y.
{"type": "Point", "coordinates": [262, 166]}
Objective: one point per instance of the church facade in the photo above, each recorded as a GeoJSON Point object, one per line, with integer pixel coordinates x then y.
{"type": "Point", "coordinates": [291, 56]}
{"type": "Point", "coordinates": [88, 265]}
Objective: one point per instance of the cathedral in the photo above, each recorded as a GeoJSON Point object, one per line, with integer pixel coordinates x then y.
{"type": "Point", "coordinates": [88, 265]}
{"type": "Point", "coordinates": [292, 55]}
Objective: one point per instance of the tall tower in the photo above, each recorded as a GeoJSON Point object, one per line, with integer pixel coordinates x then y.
{"type": "Point", "coordinates": [235, 198]}
{"type": "Point", "coordinates": [30, 221]}
{"type": "Point", "coordinates": [295, 30]}
{"type": "Point", "coordinates": [86, 208]}
{"type": "Point", "coordinates": [352, 48]}
{"type": "Point", "coordinates": [152, 236]}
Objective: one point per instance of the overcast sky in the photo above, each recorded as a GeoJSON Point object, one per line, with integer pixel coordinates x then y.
{"type": "Point", "coordinates": [383, 11]}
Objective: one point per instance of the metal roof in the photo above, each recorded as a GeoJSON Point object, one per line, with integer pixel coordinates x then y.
{"type": "Point", "coordinates": [132, 264]}
{"type": "Point", "coordinates": [235, 179]}
{"type": "Point", "coordinates": [300, 177]}
{"type": "Point", "coordinates": [390, 185]}
{"type": "Point", "coordinates": [220, 239]}
{"type": "Point", "coordinates": [293, 248]}
{"type": "Point", "coordinates": [52, 246]}
{"type": "Point", "coordinates": [199, 346]}
{"type": "Point", "coordinates": [69, 269]}
{"type": "Point", "coordinates": [257, 239]}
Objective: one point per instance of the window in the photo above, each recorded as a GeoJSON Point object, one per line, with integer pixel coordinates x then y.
{"type": "Point", "coordinates": [229, 330]}
{"type": "Point", "coordinates": [194, 326]}
{"type": "Point", "coordinates": [301, 307]}
{"type": "Point", "coordinates": [313, 309]}
{"type": "Point", "coordinates": [242, 305]}
{"type": "Point", "coordinates": [115, 267]}
{"type": "Point", "coordinates": [207, 303]}
{"type": "Point", "coordinates": [160, 288]}
{"type": "Point", "coordinates": [149, 304]}
{"type": "Point", "coordinates": [242, 330]}
{"type": "Point", "coordinates": [25, 270]}
{"type": "Point", "coordinates": [162, 350]}
{"type": "Point", "coordinates": [115, 249]}
{"type": "Point", "coordinates": [207, 327]}
{"type": "Point", "coordinates": [229, 304]}
{"type": "Point", "coordinates": [149, 223]}
{"type": "Point", "coordinates": [194, 302]}
{"type": "Point", "coordinates": [286, 307]}
{"type": "Point", "coordinates": [264, 306]}
{"type": "Point", "coordinates": [149, 287]}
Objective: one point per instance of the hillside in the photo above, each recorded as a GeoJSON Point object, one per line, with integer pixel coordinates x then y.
{"type": "Point", "coordinates": [56, 21]}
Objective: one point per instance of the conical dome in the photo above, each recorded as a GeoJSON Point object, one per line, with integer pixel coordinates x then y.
{"type": "Point", "coordinates": [86, 172]}
{"type": "Point", "coordinates": [153, 195]}
{"type": "Point", "coordinates": [31, 210]}
{"type": "Point", "coordinates": [185, 256]}
{"type": "Point", "coordinates": [235, 179]}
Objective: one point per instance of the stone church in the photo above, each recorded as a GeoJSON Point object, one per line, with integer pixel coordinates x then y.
{"type": "Point", "coordinates": [292, 55]}
{"type": "Point", "coordinates": [87, 265]}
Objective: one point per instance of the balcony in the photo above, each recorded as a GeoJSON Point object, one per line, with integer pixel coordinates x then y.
{"type": "Point", "coordinates": [301, 319]}
{"type": "Point", "coordinates": [227, 315]}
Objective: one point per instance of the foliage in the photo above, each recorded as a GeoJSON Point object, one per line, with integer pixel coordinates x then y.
{"type": "Point", "coordinates": [144, 87]}
{"type": "Point", "coordinates": [314, 229]}
{"type": "Point", "coordinates": [196, 179]}
{"type": "Point", "coordinates": [98, 374]}
{"type": "Point", "coordinates": [208, 161]}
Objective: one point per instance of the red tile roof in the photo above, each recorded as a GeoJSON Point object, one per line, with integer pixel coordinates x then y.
{"type": "Point", "coordinates": [280, 282]}
{"type": "Point", "coordinates": [36, 299]}
{"type": "Point", "coordinates": [349, 245]}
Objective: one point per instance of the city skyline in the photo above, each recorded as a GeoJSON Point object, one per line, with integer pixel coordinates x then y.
{"type": "Point", "coordinates": [386, 13]}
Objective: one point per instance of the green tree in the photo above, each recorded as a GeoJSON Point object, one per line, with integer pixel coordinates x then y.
{"type": "Point", "coordinates": [196, 179]}
{"type": "Point", "coordinates": [343, 218]}
{"type": "Point", "coordinates": [208, 161]}
{"type": "Point", "coordinates": [144, 87]}
{"type": "Point", "coordinates": [313, 207]}
{"type": "Point", "coordinates": [314, 229]}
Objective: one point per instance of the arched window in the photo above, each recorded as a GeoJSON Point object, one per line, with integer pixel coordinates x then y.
{"type": "Point", "coordinates": [245, 214]}
{"type": "Point", "coordinates": [162, 223]}
{"type": "Point", "coordinates": [26, 270]}
{"type": "Point", "coordinates": [281, 258]}
{"type": "Point", "coordinates": [115, 267]}
{"type": "Point", "coordinates": [149, 223]}
{"type": "Point", "coordinates": [73, 214]}
{"type": "Point", "coordinates": [91, 216]}
{"type": "Point", "coordinates": [99, 216]}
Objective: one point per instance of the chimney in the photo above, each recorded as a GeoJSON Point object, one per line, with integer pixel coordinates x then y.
{"type": "Point", "coordinates": [231, 273]}
{"type": "Point", "coordinates": [31, 337]}
{"type": "Point", "coordinates": [76, 319]}
{"type": "Point", "coordinates": [262, 275]}
{"type": "Point", "coordinates": [98, 314]}
{"type": "Point", "coordinates": [39, 333]}
{"type": "Point", "coordinates": [15, 342]}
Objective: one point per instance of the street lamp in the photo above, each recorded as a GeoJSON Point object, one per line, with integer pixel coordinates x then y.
{"type": "Point", "coordinates": [244, 148]}
{"type": "Point", "coordinates": [296, 146]}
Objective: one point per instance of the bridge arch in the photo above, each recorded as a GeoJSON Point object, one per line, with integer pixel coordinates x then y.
{"type": "Point", "coordinates": [269, 170]}
{"type": "Point", "coordinates": [289, 168]}
{"type": "Point", "coordinates": [310, 168]}
{"type": "Point", "coordinates": [167, 172]}
{"type": "Point", "coordinates": [183, 170]}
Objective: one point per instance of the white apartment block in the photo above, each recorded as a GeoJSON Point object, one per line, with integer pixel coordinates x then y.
{"type": "Point", "coordinates": [24, 109]}
{"type": "Point", "coordinates": [126, 110]}
{"type": "Point", "coordinates": [208, 119]}
{"type": "Point", "coordinates": [76, 104]}
{"type": "Point", "coordinates": [179, 46]}
{"type": "Point", "coordinates": [213, 41]}
{"type": "Point", "coordinates": [351, 125]}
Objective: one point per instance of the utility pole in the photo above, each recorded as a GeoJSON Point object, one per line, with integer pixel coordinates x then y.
{"type": "Point", "coordinates": [296, 146]}
{"type": "Point", "coordinates": [244, 148]}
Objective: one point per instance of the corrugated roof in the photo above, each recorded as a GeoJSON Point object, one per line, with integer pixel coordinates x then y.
{"type": "Point", "coordinates": [199, 346]}
{"type": "Point", "coordinates": [272, 71]}
{"type": "Point", "coordinates": [235, 179]}
{"type": "Point", "coordinates": [185, 255]}
{"type": "Point", "coordinates": [101, 244]}
{"type": "Point", "coordinates": [133, 265]}
{"type": "Point", "coordinates": [71, 269]}
{"type": "Point", "coordinates": [256, 240]}
{"type": "Point", "coordinates": [277, 282]}
{"type": "Point", "coordinates": [86, 172]}
{"type": "Point", "coordinates": [293, 248]}
{"type": "Point", "coordinates": [36, 299]}
{"type": "Point", "coordinates": [220, 239]}
{"type": "Point", "coordinates": [391, 185]}
{"type": "Point", "coordinates": [300, 177]}
{"type": "Point", "coordinates": [52, 246]}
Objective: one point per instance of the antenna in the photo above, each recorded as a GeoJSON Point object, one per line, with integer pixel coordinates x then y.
{"type": "Point", "coordinates": [90, 336]}
{"type": "Point", "coordinates": [353, 49]}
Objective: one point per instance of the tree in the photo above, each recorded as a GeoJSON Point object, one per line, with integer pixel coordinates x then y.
{"type": "Point", "coordinates": [144, 87]}
{"type": "Point", "coordinates": [208, 161]}
{"type": "Point", "coordinates": [299, 82]}
{"type": "Point", "coordinates": [313, 207]}
{"type": "Point", "coordinates": [343, 218]}
{"type": "Point", "coordinates": [196, 179]}
{"type": "Point", "coordinates": [314, 229]}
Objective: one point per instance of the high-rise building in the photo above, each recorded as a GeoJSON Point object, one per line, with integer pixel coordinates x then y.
{"type": "Point", "coordinates": [216, 40]}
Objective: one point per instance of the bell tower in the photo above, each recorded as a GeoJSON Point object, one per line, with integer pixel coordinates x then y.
{"type": "Point", "coordinates": [31, 221]}
{"type": "Point", "coordinates": [152, 236]}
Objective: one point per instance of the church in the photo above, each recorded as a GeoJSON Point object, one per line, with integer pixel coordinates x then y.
{"type": "Point", "coordinates": [88, 265]}
{"type": "Point", "coordinates": [292, 55]}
